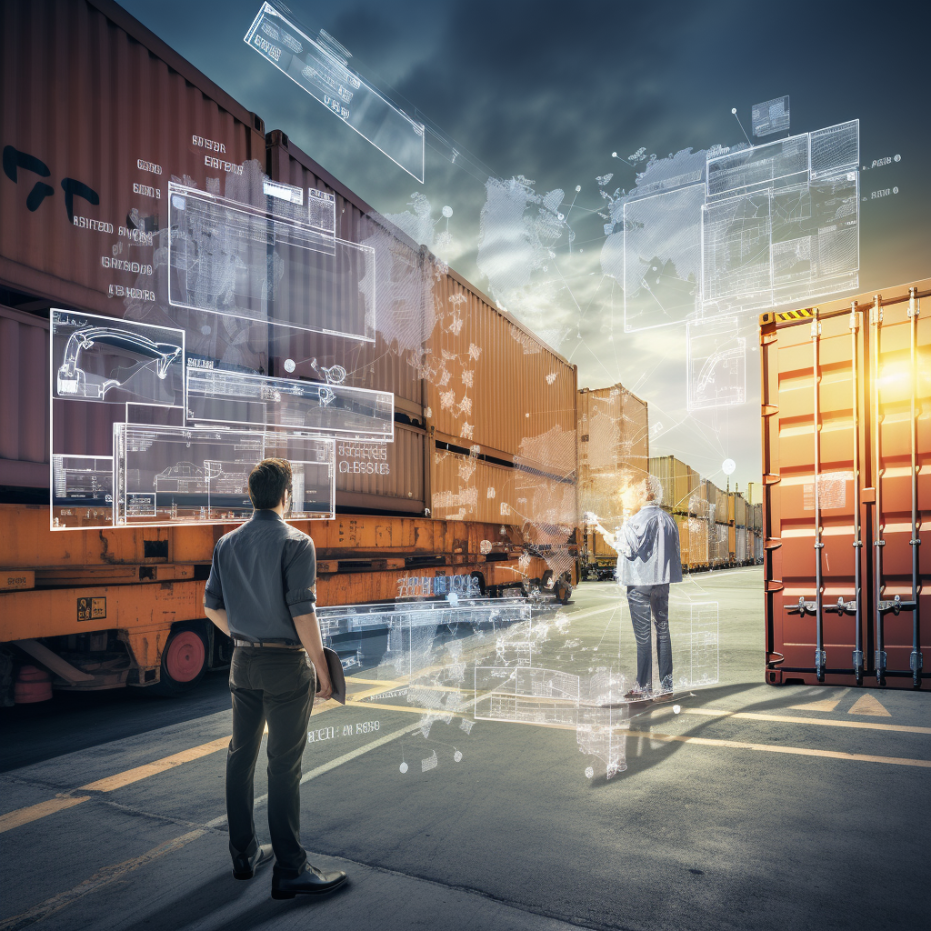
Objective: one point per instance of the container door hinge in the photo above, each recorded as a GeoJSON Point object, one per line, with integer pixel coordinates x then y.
{"type": "Point", "coordinates": [804, 607]}
{"type": "Point", "coordinates": [915, 662]}
{"type": "Point", "coordinates": [858, 659]}
{"type": "Point", "coordinates": [913, 310]}
{"type": "Point", "coordinates": [815, 329]}
{"type": "Point", "coordinates": [821, 660]}
{"type": "Point", "coordinates": [876, 314]}
{"type": "Point", "coordinates": [880, 660]}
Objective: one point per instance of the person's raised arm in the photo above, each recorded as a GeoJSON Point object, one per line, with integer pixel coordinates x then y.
{"type": "Point", "coordinates": [300, 576]}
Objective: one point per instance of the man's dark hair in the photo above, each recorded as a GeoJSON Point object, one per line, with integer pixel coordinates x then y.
{"type": "Point", "coordinates": [268, 482]}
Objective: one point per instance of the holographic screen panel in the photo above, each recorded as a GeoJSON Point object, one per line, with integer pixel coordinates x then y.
{"type": "Point", "coordinates": [102, 359]}
{"type": "Point", "coordinates": [229, 258]}
{"type": "Point", "coordinates": [173, 475]}
{"type": "Point", "coordinates": [770, 117]}
{"type": "Point", "coordinates": [717, 363]}
{"type": "Point", "coordinates": [662, 258]}
{"type": "Point", "coordinates": [216, 396]}
{"type": "Point", "coordinates": [319, 66]}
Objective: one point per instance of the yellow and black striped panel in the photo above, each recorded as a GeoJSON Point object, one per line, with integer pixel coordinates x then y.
{"type": "Point", "coordinates": [795, 314]}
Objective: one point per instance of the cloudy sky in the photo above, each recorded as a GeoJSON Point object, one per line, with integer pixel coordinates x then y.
{"type": "Point", "coordinates": [549, 91]}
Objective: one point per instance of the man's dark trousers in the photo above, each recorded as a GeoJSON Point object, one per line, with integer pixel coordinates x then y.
{"type": "Point", "coordinates": [644, 600]}
{"type": "Point", "coordinates": [277, 686]}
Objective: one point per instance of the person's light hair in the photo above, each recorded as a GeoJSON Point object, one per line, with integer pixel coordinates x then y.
{"type": "Point", "coordinates": [653, 489]}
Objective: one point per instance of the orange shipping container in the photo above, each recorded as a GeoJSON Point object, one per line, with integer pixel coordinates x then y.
{"type": "Point", "coordinates": [613, 450]}
{"type": "Point", "coordinates": [846, 402]}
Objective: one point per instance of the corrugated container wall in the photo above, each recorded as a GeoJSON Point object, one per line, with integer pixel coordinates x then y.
{"type": "Point", "coordinates": [678, 481]}
{"type": "Point", "coordinates": [614, 448]}
{"type": "Point", "coordinates": [89, 96]}
{"type": "Point", "coordinates": [83, 197]}
{"type": "Point", "coordinates": [849, 391]}
{"type": "Point", "coordinates": [24, 411]}
{"type": "Point", "coordinates": [493, 384]}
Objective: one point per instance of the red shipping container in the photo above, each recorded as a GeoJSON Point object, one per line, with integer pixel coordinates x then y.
{"type": "Point", "coordinates": [846, 404]}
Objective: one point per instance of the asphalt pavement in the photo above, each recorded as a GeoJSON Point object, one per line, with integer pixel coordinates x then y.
{"type": "Point", "coordinates": [737, 806]}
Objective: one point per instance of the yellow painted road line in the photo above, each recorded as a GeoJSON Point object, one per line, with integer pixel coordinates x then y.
{"type": "Point", "coordinates": [371, 704]}
{"type": "Point", "coordinates": [14, 819]}
{"type": "Point", "coordinates": [817, 722]}
{"type": "Point", "coordinates": [103, 877]}
{"type": "Point", "coordinates": [773, 748]}
{"type": "Point", "coordinates": [388, 683]}
{"type": "Point", "coordinates": [159, 766]}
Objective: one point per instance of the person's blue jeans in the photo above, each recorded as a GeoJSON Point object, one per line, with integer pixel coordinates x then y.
{"type": "Point", "coordinates": [644, 601]}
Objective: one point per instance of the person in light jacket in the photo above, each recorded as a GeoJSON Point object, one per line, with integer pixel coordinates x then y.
{"type": "Point", "coordinates": [648, 561]}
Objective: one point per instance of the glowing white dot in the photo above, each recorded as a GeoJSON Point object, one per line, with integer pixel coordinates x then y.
{"type": "Point", "coordinates": [614, 155]}
{"type": "Point", "coordinates": [734, 110]}
{"type": "Point", "coordinates": [676, 709]}
{"type": "Point", "coordinates": [728, 466]}
{"type": "Point", "coordinates": [578, 188]}
{"type": "Point", "coordinates": [289, 365]}
{"type": "Point", "coordinates": [589, 772]}
{"type": "Point", "coordinates": [457, 756]}
{"type": "Point", "coordinates": [447, 212]}
{"type": "Point", "coordinates": [403, 767]}
{"type": "Point", "coordinates": [898, 158]}
{"type": "Point", "coordinates": [895, 190]}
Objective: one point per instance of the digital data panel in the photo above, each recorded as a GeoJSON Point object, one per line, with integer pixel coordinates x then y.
{"type": "Point", "coordinates": [717, 363]}
{"type": "Point", "coordinates": [780, 223]}
{"type": "Point", "coordinates": [229, 258]}
{"type": "Point", "coordinates": [218, 396]}
{"type": "Point", "coordinates": [320, 67]}
{"type": "Point", "coordinates": [171, 475]}
{"type": "Point", "coordinates": [100, 368]}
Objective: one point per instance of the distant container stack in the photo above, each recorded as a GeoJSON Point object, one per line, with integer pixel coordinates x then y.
{"type": "Point", "coordinates": [613, 455]}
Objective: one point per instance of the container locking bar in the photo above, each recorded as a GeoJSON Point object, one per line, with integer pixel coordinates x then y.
{"type": "Point", "coordinates": [820, 658]}
{"type": "Point", "coordinates": [915, 660]}
{"type": "Point", "coordinates": [876, 316]}
{"type": "Point", "coordinates": [857, 536]}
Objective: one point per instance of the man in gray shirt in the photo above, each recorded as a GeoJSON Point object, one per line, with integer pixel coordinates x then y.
{"type": "Point", "coordinates": [261, 593]}
{"type": "Point", "coordinates": [648, 561]}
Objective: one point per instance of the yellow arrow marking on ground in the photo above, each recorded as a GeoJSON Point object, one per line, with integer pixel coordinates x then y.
{"type": "Point", "coordinates": [868, 704]}
{"type": "Point", "coordinates": [826, 704]}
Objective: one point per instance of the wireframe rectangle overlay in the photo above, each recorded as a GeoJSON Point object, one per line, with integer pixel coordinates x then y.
{"type": "Point", "coordinates": [230, 258]}
{"type": "Point", "coordinates": [321, 70]}
{"type": "Point", "coordinates": [759, 168]}
{"type": "Point", "coordinates": [321, 211]}
{"type": "Point", "coordinates": [171, 475]}
{"type": "Point", "coordinates": [662, 258]}
{"type": "Point", "coordinates": [703, 666]}
{"type": "Point", "coordinates": [736, 264]}
{"type": "Point", "coordinates": [217, 396]}
{"type": "Point", "coordinates": [835, 149]}
{"type": "Point", "coordinates": [717, 363]}
{"type": "Point", "coordinates": [770, 117]}
{"type": "Point", "coordinates": [102, 359]}
{"type": "Point", "coordinates": [82, 481]}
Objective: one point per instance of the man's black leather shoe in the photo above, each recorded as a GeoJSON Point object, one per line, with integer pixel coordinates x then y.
{"type": "Point", "coordinates": [311, 882]}
{"type": "Point", "coordinates": [244, 867]}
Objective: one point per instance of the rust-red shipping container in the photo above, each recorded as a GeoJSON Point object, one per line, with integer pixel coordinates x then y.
{"type": "Point", "coordinates": [97, 113]}
{"type": "Point", "coordinates": [846, 403]}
